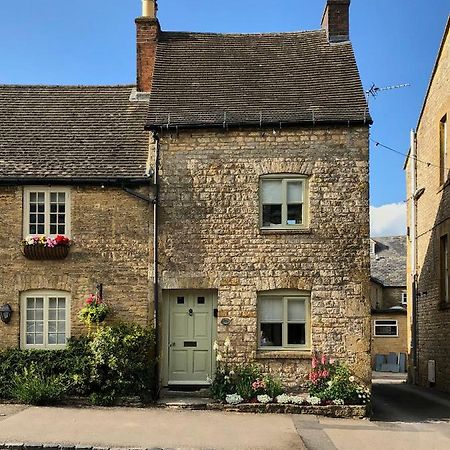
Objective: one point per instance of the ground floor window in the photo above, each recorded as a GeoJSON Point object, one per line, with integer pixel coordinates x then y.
{"type": "Point", "coordinates": [386, 328]}
{"type": "Point", "coordinates": [283, 320]}
{"type": "Point", "coordinates": [45, 319]}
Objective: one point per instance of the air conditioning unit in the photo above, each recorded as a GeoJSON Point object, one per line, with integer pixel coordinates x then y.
{"type": "Point", "coordinates": [431, 371]}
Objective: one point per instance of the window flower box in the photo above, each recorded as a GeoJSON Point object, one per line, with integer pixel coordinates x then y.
{"type": "Point", "coordinates": [46, 247]}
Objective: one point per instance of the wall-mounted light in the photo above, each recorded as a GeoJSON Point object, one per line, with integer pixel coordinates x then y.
{"type": "Point", "coordinates": [5, 313]}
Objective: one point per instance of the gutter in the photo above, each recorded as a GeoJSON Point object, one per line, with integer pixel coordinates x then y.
{"type": "Point", "coordinates": [259, 124]}
{"type": "Point", "coordinates": [83, 181]}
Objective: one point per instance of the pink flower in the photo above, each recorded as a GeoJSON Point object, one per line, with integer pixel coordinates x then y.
{"type": "Point", "coordinates": [50, 242]}
{"type": "Point", "coordinates": [324, 360]}
{"type": "Point", "coordinates": [314, 362]}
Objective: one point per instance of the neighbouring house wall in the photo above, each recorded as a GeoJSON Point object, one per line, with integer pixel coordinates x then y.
{"type": "Point", "coordinates": [112, 245]}
{"type": "Point", "coordinates": [433, 212]}
{"type": "Point", "coordinates": [210, 236]}
{"type": "Point", "coordinates": [392, 296]}
{"type": "Point", "coordinates": [386, 345]}
{"type": "Point", "coordinates": [376, 295]}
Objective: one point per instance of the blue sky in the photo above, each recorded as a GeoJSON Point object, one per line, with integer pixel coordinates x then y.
{"type": "Point", "coordinates": [93, 42]}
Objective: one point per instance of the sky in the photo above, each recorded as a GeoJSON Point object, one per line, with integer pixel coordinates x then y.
{"type": "Point", "coordinates": [93, 42]}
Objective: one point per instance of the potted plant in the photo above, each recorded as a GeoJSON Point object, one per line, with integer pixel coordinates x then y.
{"type": "Point", "coordinates": [94, 311]}
{"type": "Point", "coordinates": [46, 247]}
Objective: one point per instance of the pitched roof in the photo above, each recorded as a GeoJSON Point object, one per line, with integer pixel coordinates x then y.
{"type": "Point", "coordinates": [205, 79]}
{"type": "Point", "coordinates": [388, 263]}
{"type": "Point", "coordinates": [71, 132]}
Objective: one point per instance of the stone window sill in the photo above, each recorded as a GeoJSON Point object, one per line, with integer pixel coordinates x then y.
{"type": "Point", "coordinates": [264, 231]}
{"type": "Point", "coordinates": [283, 354]}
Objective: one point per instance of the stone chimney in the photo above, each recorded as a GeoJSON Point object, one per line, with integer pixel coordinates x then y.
{"type": "Point", "coordinates": [147, 31]}
{"type": "Point", "coordinates": [336, 20]}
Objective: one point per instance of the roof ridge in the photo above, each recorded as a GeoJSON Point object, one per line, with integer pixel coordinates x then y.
{"type": "Point", "coordinates": [267, 33]}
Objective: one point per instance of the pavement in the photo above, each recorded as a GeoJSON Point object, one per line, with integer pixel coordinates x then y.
{"type": "Point", "coordinates": [404, 417]}
{"type": "Point", "coordinates": [147, 428]}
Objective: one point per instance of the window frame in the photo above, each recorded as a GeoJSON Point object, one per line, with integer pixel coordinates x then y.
{"type": "Point", "coordinates": [47, 190]}
{"type": "Point", "coordinates": [443, 150]}
{"type": "Point", "coordinates": [45, 294]}
{"type": "Point", "coordinates": [444, 270]}
{"type": "Point", "coordinates": [285, 179]}
{"type": "Point", "coordinates": [404, 298]}
{"type": "Point", "coordinates": [285, 297]}
{"type": "Point", "coordinates": [384, 325]}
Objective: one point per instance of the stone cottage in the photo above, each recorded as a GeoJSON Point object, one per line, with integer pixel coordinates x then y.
{"type": "Point", "coordinates": [428, 203]}
{"type": "Point", "coordinates": [388, 300]}
{"type": "Point", "coordinates": [240, 211]}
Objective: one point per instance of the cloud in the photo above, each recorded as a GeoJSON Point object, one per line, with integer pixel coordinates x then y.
{"type": "Point", "coordinates": [388, 220]}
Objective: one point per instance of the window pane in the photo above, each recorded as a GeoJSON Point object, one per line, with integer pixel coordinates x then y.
{"type": "Point", "coordinates": [296, 334]}
{"type": "Point", "coordinates": [386, 330]}
{"type": "Point", "coordinates": [271, 309]}
{"type": "Point", "coordinates": [30, 302]}
{"type": "Point", "coordinates": [39, 303]}
{"type": "Point", "coordinates": [271, 334]}
{"type": "Point", "coordinates": [53, 197]}
{"type": "Point", "coordinates": [294, 214]}
{"type": "Point", "coordinates": [40, 229]}
{"type": "Point", "coordinates": [52, 302]}
{"type": "Point", "coordinates": [296, 310]}
{"type": "Point", "coordinates": [272, 191]}
{"type": "Point", "coordinates": [52, 338]}
{"type": "Point", "coordinates": [39, 339]}
{"type": "Point", "coordinates": [61, 338]}
{"type": "Point", "coordinates": [295, 192]}
{"type": "Point", "coordinates": [271, 215]}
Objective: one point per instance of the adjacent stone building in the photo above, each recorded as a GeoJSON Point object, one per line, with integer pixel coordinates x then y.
{"type": "Point", "coordinates": [388, 296]}
{"type": "Point", "coordinates": [427, 169]}
{"type": "Point", "coordinates": [256, 156]}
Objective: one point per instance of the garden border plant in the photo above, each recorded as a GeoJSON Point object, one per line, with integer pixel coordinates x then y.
{"type": "Point", "coordinates": [115, 361]}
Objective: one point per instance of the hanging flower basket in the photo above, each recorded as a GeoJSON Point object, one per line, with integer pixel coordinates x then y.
{"type": "Point", "coordinates": [46, 248]}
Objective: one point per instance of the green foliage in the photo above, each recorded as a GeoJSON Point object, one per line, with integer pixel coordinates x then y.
{"type": "Point", "coordinates": [274, 388]}
{"type": "Point", "coordinates": [32, 387]}
{"type": "Point", "coordinates": [223, 384]}
{"type": "Point", "coordinates": [122, 363]}
{"type": "Point", "coordinates": [115, 361]}
{"type": "Point", "coordinates": [246, 375]}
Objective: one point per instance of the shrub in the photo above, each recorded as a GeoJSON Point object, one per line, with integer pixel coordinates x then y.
{"type": "Point", "coordinates": [122, 363]}
{"type": "Point", "coordinates": [32, 387]}
{"type": "Point", "coordinates": [115, 361]}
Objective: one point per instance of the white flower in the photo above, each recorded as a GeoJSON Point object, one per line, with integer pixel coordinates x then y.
{"type": "Point", "coordinates": [227, 343]}
{"type": "Point", "coordinates": [233, 399]}
{"type": "Point", "coordinates": [351, 379]}
{"type": "Point", "coordinates": [263, 398]}
{"type": "Point", "coordinates": [296, 399]}
{"type": "Point", "coordinates": [209, 379]}
{"type": "Point", "coordinates": [329, 383]}
{"type": "Point", "coordinates": [283, 399]}
{"type": "Point", "coordinates": [231, 373]}
{"type": "Point", "coordinates": [314, 400]}
{"type": "Point", "coordinates": [219, 357]}
{"type": "Point", "coordinates": [338, 401]}
{"type": "Point", "coordinates": [215, 346]}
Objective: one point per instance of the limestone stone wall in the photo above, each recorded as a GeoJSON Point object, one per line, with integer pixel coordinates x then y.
{"type": "Point", "coordinates": [112, 246]}
{"type": "Point", "coordinates": [385, 345]}
{"type": "Point", "coordinates": [210, 236]}
{"type": "Point", "coordinates": [433, 211]}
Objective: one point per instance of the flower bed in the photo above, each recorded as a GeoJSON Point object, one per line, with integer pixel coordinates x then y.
{"type": "Point", "coordinates": [331, 389]}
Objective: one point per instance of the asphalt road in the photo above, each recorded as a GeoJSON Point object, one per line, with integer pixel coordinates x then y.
{"type": "Point", "coordinates": [404, 418]}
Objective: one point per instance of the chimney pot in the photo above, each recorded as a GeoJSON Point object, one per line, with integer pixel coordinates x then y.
{"type": "Point", "coordinates": [149, 8]}
{"type": "Point", "coordinates": [336, 20]}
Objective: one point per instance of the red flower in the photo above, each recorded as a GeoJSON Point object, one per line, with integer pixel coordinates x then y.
{"type": "Point", "coordinates": [62, 240]}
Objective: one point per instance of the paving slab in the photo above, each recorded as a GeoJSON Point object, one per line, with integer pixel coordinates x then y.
{"type": "Point", "coordinates": [151, 428]}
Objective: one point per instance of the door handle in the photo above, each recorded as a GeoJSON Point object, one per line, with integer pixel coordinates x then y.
{"type": "Point", "coordinates": [172, 344]}
{"type": "Point", "coordinates": [191, 312]}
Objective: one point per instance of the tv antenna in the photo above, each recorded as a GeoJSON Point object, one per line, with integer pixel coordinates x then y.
{"type": "Point", "coordinates": [375, 90]}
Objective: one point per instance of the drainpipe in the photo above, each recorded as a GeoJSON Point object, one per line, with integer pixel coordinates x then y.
{"type": "Point", "coordinates": [413, 231]}
{"type": "Point", "coordinates": [155, 256]}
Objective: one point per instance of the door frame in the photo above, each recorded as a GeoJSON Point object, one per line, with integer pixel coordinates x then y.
{"type": "Point", "coordinates": [165, 321]}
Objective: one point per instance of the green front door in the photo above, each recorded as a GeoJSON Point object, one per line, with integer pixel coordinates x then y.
{"type": "Point", "coordinates": [190, 337]}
